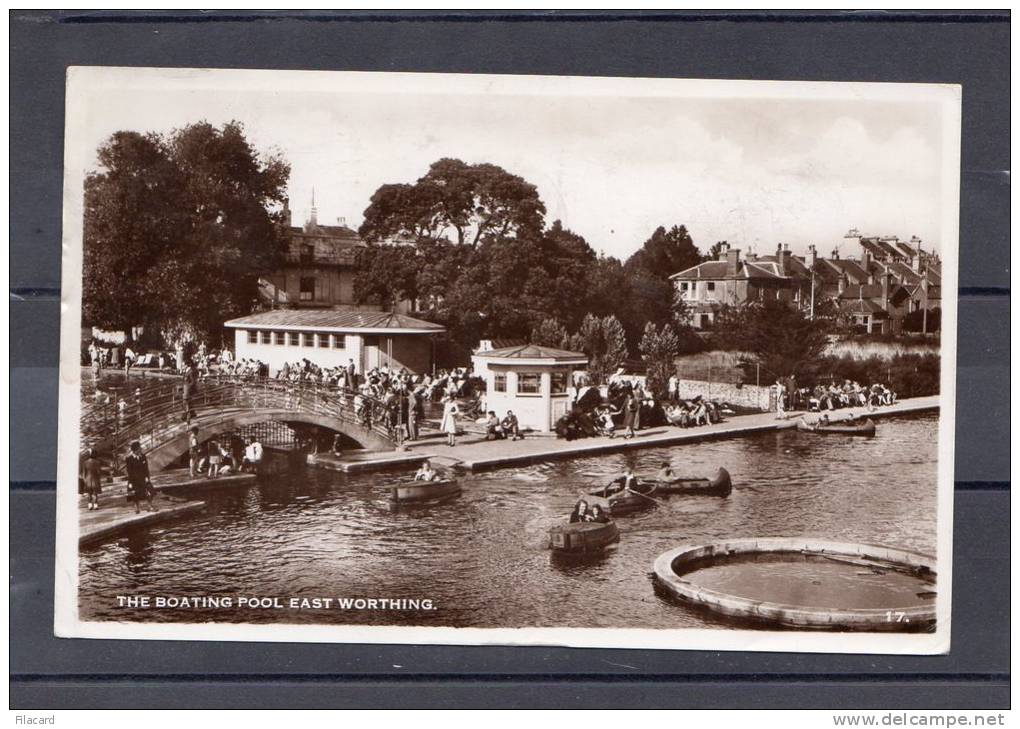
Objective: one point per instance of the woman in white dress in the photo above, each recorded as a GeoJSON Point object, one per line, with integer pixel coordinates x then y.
{"type": "Point", "coordinates": [449, 423]}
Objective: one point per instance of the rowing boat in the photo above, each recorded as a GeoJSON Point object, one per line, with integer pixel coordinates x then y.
{"type": "Point", "coordinates": [627, 500]}
{"type": "Point", "coordinates": [721, 485]}
{"type": "Point", "coordinates": [583, 537]}
{"type": "Point", "coordinates": [861, 428]}
{"type": "Point", "coordinates": [418, 492]}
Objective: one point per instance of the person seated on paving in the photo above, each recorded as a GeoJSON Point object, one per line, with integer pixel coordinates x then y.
{"type": "Point", "coordinates": [824, 420]}
{"type": "Point", "coordinates": [598, 515]}
{"type": "Point", "coordinates": [338, 445]}
{"type": "Point", "coordinates": [604, 417]}
{"type": "Point", "coordinates": [493, 429]}
{"type": "Point", "coordinates": [426, 472]}
{"type": "Point", "coordinates": [511, 427]}
{"type": "Point", "coordinates": [580, 512]}
{"type": "Point", "coordinates": [252, 454]}
{"type": "Point", "coordinates": [139, 485]}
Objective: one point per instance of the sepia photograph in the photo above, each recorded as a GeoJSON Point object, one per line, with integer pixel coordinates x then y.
{"type": "Point", "coordinates": [523, 360]}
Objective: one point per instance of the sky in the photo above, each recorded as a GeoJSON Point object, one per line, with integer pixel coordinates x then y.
{"type": "Point", "coordinates": [612, 159]}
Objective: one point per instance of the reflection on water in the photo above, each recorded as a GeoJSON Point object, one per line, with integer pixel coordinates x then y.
{"type": "Point", "coordinates": [482, 557]}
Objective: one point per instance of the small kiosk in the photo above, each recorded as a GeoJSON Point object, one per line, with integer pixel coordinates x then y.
{"type": "Point", "coordinates": [531, 380]}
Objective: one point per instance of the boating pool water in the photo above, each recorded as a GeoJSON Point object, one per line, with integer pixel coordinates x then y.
{"type": "Point", "coordinates": [818, 583]}
{"type": "Point", "coordinates": [482, 558]}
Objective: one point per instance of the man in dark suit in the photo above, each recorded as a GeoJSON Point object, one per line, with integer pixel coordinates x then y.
{"type": "Point", "coordinates": [139, 484]}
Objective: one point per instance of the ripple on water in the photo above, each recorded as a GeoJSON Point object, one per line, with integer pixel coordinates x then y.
{"type": "Point", "coordinates": [482, 558]}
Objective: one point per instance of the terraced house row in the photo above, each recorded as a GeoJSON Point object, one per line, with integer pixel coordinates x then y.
{"type": "Point", "coordinates": [876, 289]}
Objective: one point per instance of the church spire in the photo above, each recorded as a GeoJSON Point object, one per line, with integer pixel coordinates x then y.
{"type": "Point", "coordinates": [312, 220]}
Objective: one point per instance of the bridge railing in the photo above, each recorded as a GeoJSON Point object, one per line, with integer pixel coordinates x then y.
{"type": "Point", "coordinates": [159, 419]}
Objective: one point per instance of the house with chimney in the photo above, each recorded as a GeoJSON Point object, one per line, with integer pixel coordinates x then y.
{"type": "Point", "coordinates": [873, 292]}
{"type": "Point", "coordinates": [709, 286]}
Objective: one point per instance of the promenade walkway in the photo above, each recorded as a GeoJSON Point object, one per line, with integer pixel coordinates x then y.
{"type": "Point", "coordinates": [116, 514]}
{"type": "Point", "coordinates": [473, 452]}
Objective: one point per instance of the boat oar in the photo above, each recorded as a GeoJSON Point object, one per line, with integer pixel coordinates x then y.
{"type": "Point", "coordinates": [657, 501]}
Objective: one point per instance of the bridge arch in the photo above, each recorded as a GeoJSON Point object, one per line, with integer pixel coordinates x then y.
{"type": "Point", "coordinates": [173, 447]}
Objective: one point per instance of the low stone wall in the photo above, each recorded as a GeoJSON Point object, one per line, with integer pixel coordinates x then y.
{"type": "Point", "coordinates": [748, 396]}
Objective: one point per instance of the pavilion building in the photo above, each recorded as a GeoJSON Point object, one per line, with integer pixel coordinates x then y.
{"type": "Point", "coordinates": [533, 381]}
{"type": "Point", "coordinates": [333, 337]}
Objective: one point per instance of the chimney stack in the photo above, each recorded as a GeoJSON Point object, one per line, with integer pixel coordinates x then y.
{"type": "Point", "coordinates": [866, 265]}
{"type": "Point", "coordinates": [842, 282]}
{"type": "Point", "coordinates": [835, 254]}
{"type": "Point", "coordinates": [732, 261]}
{"type": "Point", "coordinates": [812, 257]}
{"type": "Point", "coordinates": [886, 285]}
{"type": "Point", "coordinates": [724, 249]}
{"type": "Point", "coordinates": [784, 260]}
{"type": "Point", "coordinates": [286, 212]}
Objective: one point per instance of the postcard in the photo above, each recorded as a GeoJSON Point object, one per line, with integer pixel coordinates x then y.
{"type": "Point", "coordinates": [518, 360]}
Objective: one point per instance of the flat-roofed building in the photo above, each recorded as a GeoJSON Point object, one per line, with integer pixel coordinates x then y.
{"type": "Point", "coordinates": [332, 338]}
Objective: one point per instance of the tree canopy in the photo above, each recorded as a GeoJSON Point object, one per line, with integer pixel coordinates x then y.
{"type": "Point", "coordinates": [483, 263]}
{"type": "Point", "coordinates": [453, 199]}
{"type": "Point", "coordinates": [178, 228]}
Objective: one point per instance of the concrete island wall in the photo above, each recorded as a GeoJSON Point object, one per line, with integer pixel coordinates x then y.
{"type": "Point", "coordinates": [670, 566]}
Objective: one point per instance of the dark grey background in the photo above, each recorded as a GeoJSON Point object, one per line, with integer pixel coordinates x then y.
{"type": "Point", "coordinates": [964, 48]}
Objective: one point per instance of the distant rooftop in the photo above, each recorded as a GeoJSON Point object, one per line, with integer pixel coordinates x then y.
{"type": "Point", "coordinates": [336, 320]}
{"type": "Point", "coordinates": [533, 351]}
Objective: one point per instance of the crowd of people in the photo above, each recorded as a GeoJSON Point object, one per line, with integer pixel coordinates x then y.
{"type": "Point", "coordinates": [849, 394]}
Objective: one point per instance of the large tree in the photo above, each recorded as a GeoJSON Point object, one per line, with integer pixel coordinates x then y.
{"type": "Point", "coordinates": [178, 229]}
{"type": "Point", "coordinates": [665, 253]}
{"type": "Point", "coordinates": [603, 340]}
{"type": "Point", "coordinates": [462, 202]}
{"type": "Point", "coordinates": [659, 348]}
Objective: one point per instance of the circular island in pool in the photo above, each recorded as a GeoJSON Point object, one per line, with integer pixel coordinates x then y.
{"type": "Point", "coordinates": [805, 583]}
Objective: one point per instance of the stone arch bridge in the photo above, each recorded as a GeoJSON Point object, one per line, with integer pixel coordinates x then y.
{"type": "Point", "coordinates": [158, 420]}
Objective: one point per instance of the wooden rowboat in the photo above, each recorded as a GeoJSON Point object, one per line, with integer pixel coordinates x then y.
{"type": "Point", "coordinates": [861, 428]}
{"type": "Point", "coordinates": [583, 537]}
{"type": "Point", "coordinates": [419, 492]}
{"type": "Point", "coordinates": [721, 485]}
{"type": "Point", "coordinates": [626, 501]}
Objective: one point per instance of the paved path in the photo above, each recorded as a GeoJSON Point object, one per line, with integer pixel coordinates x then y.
{"type": "Point", "coordinates": [472, 453]}
{"type": "Point", "coordinates": [116, 515]}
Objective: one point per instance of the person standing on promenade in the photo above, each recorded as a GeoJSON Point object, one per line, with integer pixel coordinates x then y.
{"type": "Point", "coordinates": [129, 359]}
{"type": "Point", "coordinates": [139, 484]}
{"type": "Point", "coordinates": [188, 388]}
{"type": "Point", "coordinates": [780, 405]}
{"type": "Point", "coordinates": [93, 470]}
{"type": "Point", "coordinates": [194, 452]}
{"type": "Point", "coordinates": [215, 458]}
{"type": "Point", "coordinates": [630, 414]}
{"type": "Point", "coordinates": [449, 422]}
{"type": "Point", "coordinates": [412, 414]}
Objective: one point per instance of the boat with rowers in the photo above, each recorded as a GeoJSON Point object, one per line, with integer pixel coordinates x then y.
{"type": "Point", "coordinates": [852, 427]}
{"type": "Point", "coordinates": [584, 537]}
{"type": "Point", "coordinates": [422, 492]}
{"type": "Point", "coordinates": [720, 485]}
{"type": "Point", "coordinates": [626, 494]}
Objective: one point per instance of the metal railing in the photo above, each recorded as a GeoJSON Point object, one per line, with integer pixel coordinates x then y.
{"type": "Point", "coordinates": [160, 416]}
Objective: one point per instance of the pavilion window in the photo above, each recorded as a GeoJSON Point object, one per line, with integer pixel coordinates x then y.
{"type": "Point", "coordinates": [307, 339]}
{"type": "Point", "coordinates": [265, 337]}
{"type": "Point", "coordinates": [253, 336]}
{"type": "Point", "coordinates": [529, 383]}
{"type": "Point", "coordinates": [339, 341]}
{"type": "Point", "coordinates": [293, 339]}
{"type": "Point", "coordinates": [279, 338]}
{"type": "Point", "coordinates": [307, 292]}
{"type": "Point", "coordinates": [324, 340]}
